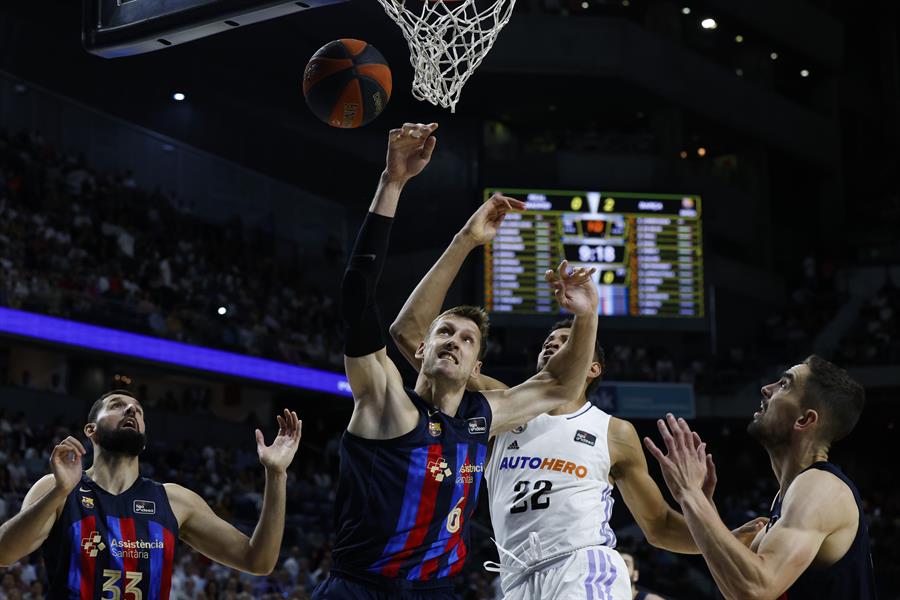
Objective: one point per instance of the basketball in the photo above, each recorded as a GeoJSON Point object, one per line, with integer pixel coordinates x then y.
{"type": "Point", "coordinates": [347, 83]}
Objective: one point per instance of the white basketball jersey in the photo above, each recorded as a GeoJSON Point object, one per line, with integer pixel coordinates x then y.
{"type": "Point", "coordinates": [551, 476]}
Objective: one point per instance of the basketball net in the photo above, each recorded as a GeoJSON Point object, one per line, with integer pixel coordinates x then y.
{"type": "Point", "coordinates": [447, 41]}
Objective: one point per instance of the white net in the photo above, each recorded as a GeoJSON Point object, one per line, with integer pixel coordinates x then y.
{"type": "Point", "coordinates": [447, 41]}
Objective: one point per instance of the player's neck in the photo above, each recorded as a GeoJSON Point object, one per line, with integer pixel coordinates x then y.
{"type": "Point", "coordinates": [114, 473]}
{"type": "Point", "coordinates": [570, 407]}
{"type": "Point", "coordinates": [789, 461]}
{"type": "Point", "coordinates": [442, 394]}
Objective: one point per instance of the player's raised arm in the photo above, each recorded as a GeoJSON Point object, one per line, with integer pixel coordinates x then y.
{"type": "Point", "coordinates": [381, 409]}
{"type": "Point", "coordinates": [816, 506]}
{"type": "Point", "coordinates": [424, 304]}
{"type": "Point", "coordinates": [215, 538]}
{"type": "Point", "coordinates": [563, 378]}
{"type": "Point", "coordinates": [25, 532]}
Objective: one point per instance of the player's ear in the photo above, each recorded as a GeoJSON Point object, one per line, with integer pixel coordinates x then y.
{"type": "Point", "coordinates": [595, 371]}
{"type": "Point", "coordinates": [89, 430]}
{"type": "Point", "coordinates": [476, 370]}
{"type": "Point", "coordinates": [420, 351]}
{"type": "Point", "coordinates": [807, 420]}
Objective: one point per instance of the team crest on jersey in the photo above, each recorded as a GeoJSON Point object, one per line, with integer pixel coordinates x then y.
{"type": "Point", "coordinates": [585, 438]}
{"type": "Point", "coordinates": [93, 544]}
{"type": "Point", "coordinates": [144, 507]}
{"type": "Point", "coordinates": [87, 502]}
{"type": "Point", "coordinates": [513, 446]}
{"type": "Point", "coordinates": [434, 429]}
{"type": "Point", "coordinates": [439, 469]}
{"type": "Point", "coordinates": [477, 425]}
{"type": "Point", "coordinates": [520, 428]}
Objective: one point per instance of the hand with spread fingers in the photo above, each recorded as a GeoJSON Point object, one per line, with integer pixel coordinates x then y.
{"type": "Point", "coordinates": [409, 151]}
{"type": "Point", "coordinates": [575, 291]}
{"type": "Point", "coordinates": [482, 226]}
{"type": "Point", "coordinates": [279, 455]}
{"type": "Point", "coordinates": [685, 466]}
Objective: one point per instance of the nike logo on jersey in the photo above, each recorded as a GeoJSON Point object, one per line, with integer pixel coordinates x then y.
{"type": "Point", "coordinates": [365, 256]}
{"type": "Point", "coordinates": [81, 489]}
{"type": "Point", "coordinates": [513, 446]}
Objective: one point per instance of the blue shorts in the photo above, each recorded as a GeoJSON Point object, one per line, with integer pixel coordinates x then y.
{"type": "Point", "coordinates": [337, 587]}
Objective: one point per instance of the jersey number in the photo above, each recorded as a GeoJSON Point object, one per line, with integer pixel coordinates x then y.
{"type": "Point", "coordinates": [520, 504]}
{"type": "Point", "coordinates": [132, 580]}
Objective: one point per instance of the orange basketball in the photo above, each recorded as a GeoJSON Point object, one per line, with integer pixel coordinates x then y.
{"type": "Point", "coordinates": [347, 83]}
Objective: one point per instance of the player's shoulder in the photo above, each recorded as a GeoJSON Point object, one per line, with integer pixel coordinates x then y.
{"type": "Point", "coordinates": [819, 497]}
{"type": "Point", "coordinates": [40, 487]}
{"type": "Point", "coordinates": [620, 430]}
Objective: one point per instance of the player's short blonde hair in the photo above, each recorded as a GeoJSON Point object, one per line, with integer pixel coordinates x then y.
{"type": "Point", "coordinates": [477, 315]}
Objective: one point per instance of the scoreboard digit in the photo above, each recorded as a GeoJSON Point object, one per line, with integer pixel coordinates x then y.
{"type": "Point", "coordinates": [646, 248]}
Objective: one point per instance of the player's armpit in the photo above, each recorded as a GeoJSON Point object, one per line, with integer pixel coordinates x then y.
{"type": "Point", "coordinates": [207, 533]}
{"type": "Point", "coordinates": [664, 527]}
{"type": "Point", "coordinates": [519, 404]}
{"type": "Point", "coordinates": [381, 408]}
{"type": "Point", "coordinates": [481, 383]}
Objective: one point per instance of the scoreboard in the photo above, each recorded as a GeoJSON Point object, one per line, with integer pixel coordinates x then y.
{"type": "Point", "coordinates": [647, 250]}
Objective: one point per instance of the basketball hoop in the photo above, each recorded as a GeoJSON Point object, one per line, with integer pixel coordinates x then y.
{"type": "Point", "coordinates": [447, 40]}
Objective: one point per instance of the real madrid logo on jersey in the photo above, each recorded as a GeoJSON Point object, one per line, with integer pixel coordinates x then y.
{"type": "Point", "coordinates": [520, 428]}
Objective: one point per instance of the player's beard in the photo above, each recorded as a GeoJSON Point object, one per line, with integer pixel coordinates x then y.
{"type": "Point", "coordinates": [770, 435]}
{"type": "Point", "coordinates": [127, 442]}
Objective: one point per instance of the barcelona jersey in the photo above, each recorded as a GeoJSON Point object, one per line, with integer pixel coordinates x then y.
{"type": "Point", "coordinates": [119, 547]}
{"type": "Point", "coordinates": [404, 504]}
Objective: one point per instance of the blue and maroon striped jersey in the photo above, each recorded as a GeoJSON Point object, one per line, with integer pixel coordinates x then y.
{"type": "Point", "coordinates": [112, 546]}
{"type": "Point", "coordinates": [404, 504]}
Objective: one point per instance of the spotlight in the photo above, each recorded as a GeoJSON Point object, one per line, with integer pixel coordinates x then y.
{"type": "Point", "coordinates": [178, 96]}
{"type": "Point", "coordinates": [686, 10]}
{"type": "Point", "coordinates": [683, 154]}
{"type": "Point", "coordinates": [774, 56]}
{"type": "Point", "coordinates": [739, 38]}
{"type": "Point", "coordinates": [701, 151]}
{"type": "Point", "coordinates": [222, 310]}
{"type": "Point", "coordinates": [708, 23]}
{"type": "Point", "coordinates": [804, 73]}
{"type": "Point", "coordinates": [739, 72]}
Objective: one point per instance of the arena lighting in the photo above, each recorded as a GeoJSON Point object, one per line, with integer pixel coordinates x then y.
{"type": "Point", "coordinates": [222, 310]}
{"type": "Point", "coordinates": [585, 5]}
{"type": "Point", "coordinates": [701, 151]}
{"type": "Point", "coordinates": [104, 339]}
{"type": "Point", "coordinates": [774, 56]}
{"type": "Point", "coordinates": [683, 154]}
{"type": "Point", "coordinates": [739, 38]}
{"type": "Point", "coordinates": [804, 73]}
{"type": "Point", "coordinates": [708, 23]}
{"type": "Point", "coordinates": [686, 10]}
{"type": "Point", "coordinates": [178, 96]}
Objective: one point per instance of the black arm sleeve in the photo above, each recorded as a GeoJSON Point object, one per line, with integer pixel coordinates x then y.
{"type": "Point", "coordinates": [362, 324]}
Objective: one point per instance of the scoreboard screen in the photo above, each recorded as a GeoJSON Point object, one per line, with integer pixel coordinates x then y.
{"type": "Point", "coordinates": [647, 250]}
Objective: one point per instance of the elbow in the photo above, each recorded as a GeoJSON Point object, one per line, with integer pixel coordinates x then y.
{"type": "Point", "coordinates": [261, 569]}
{"type": "Point", "coordinates": [396, 331]}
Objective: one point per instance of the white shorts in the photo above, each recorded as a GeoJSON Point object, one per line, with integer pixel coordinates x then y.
{"type": "Point", "coordinates": [592, 573]}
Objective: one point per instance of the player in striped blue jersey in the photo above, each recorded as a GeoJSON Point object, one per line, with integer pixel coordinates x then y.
{"type": "Point", "coordinates": [412, 459]}
{"type": "Point", "coordinates": [108, 533]}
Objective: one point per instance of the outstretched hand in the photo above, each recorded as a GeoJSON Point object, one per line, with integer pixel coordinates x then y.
{"type": "Point", "coordinates": [575, 291]}
{"type": "Point", "coordinates": [409, 151]}
{"type": "Point", "coordinates": [279, 455]}
{"type": "Point", "coordinates": [685, 467]}
{"type": "Point", "coordinates": [482, 226]}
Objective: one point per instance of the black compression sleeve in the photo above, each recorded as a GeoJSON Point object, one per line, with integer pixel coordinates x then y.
{"type": "Point", "coordinates": [362, 324]}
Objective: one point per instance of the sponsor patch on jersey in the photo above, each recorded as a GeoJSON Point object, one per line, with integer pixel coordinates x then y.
{"type": "Point", "coordinates": [585, 438]}
{"type": "Point", "coordinates": [477, 425]}
{"type": "Point", "coordinates": [93, 544]}
{"type": "Point", "coordinates": [439, 469]}
{"type": "Point", "coordinates": [87, 502]}
{"type": "Point", "coordinates": [520, 428]}
{"type": "Point", "coordinates": [513, 446]}
{"type": "Point", "coordinates": [144, 507]}
{"type": "Point", "coordinates": [434, 429]}
{"type": "Point", "coordinates": [549, 464]}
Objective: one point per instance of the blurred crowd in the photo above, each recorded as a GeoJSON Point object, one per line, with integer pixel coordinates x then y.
{"type": "Point", "coordinates": [96, 247]}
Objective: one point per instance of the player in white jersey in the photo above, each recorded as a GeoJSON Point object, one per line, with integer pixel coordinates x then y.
{"type": "Point", "coordinates": [550, 481]}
